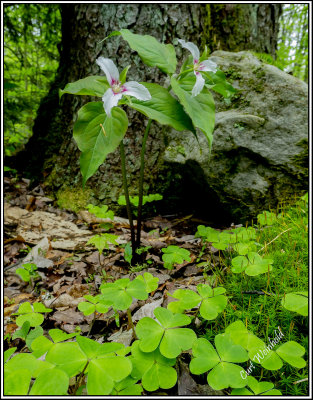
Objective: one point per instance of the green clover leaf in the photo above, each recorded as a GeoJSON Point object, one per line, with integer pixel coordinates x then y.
{"type": "Point", "coordinates": [122, 291]}
{"type": "Point", "coordinates": [171, 341]}
{"type": "Point", "coordinates": [102, 241]}
{"type": "Point", "coordinates": [258, 388]}
{"type": "Point", "coordinates": [297, 302]}
{"type": "Point", "coordinates": [31, 314]}
{"type": "Point", "coordinates": [174, 255]}
{"type": "Point", "coordinates": [212, 301]}
{"type": "Point", "coordinates": [220, 361]}
{"type": "Point", "coordinates": [101, 212]}
{"type": "Point", "coordinates": [127, 387]}
{"type": "Point", "coordinates": [154, 370]}
{"type": "Point", "coordinates": [252, 265]}
{"type": "Point", "coordinates": [151, 283]}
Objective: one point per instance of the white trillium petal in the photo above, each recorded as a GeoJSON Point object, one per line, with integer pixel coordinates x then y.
{"type": "Point", "coordinates": [191, 47]}
{"type": "Point", "coordinates": [110, 100]}
{"type": "Point", "coordinates": [109, 68]}
{"type": "Point", "coordinates": [137, 90]}
{"type": "Point", "coordinates": [198, 85]}
{"type": "Point", "coordinates": [208, 65]}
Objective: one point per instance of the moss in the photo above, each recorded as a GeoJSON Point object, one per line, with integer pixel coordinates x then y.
{"type": "Point", "coordinates": [74, 199]}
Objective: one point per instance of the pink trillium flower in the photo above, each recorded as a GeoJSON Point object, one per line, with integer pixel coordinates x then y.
{"type": "Point", "coordinates": [112, 96]}
{"type": "Point", "coordinates": [198, 66]}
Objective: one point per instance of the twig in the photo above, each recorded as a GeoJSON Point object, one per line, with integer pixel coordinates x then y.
{"type": "Point", "coordinates": [301, 380]}
{"type": "Point", "coordinates": [262, 292]}
{"type": "Point", "coordinates": [266, 244]}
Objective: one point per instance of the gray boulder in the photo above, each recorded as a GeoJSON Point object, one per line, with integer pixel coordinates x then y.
{"type": "Point", "coordinates": [260, 150]}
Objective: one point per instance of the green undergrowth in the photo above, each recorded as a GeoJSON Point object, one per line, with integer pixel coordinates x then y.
{"type": "Point", "coordinates": [285, 241]}
{"type": "Point", "coordinates": [244, 331]}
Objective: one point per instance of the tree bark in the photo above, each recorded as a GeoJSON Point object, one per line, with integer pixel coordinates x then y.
{"type": "Point", "coordinates": [52, 155]}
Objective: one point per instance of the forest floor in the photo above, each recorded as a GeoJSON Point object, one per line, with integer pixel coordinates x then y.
{"type": "Point", "coordinates": [68, 269]}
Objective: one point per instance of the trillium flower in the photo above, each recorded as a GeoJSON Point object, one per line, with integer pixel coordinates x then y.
{"type": "Point", "coordinates": [198, 66]}
{"type": "Point", "coordinates": [112, 96]}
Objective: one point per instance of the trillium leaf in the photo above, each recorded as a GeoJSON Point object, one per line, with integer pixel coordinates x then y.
{"type": "Point", "coordinates": [205, 357]}
{"type": "Point", "coordinates": [90, 347]}
{"type": "Point", "coordinates": [25, 275]}
{"type": "Point", "coordinates": [68, 357]}
{"type": "Point", "coordinates": [201, 108]}
{"type": "Point", "coordinates": [150, 333]}
{"type": "Point", "coordinates": [152, 52]}
{"type": "Point", "coordinates": [91, 86]}
{"type": "Point", "coordinates": [163, 108]}
{"type": "Point", "coordinates": [225, 375]}
{"type": "Point", "coordinates": [16, 383]}
{"type": "Point", "coordinates": [101, 308]}
{"type": "Point", "coordinates": [297, 302]}
{"type": "Point", "coordinates": [96, 141]}
{"type": "Point", "coordinates": [241, 392]}
{"type": "Point", "coordinates": [22, 333]}
{"type": "Point", "coordinates": [50, 382]}
{"type": "Point", "coordinates": [292, 353]}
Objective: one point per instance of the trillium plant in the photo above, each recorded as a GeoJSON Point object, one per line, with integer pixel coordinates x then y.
{"type": "Point", "coordinates": [186, 104]}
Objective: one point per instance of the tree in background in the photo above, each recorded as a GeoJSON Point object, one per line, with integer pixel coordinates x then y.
{"type": "Point", "coordinates": [31, 57]}
{"type": "Point", "coordinates": [229, 27]}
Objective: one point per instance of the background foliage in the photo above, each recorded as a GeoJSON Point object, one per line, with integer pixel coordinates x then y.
{"type": "Point", "coordinates": [31, 35]}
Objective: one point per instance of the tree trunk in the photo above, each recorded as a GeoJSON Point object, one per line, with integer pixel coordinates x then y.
{"type": "Point", "coordinates": [52, 152]}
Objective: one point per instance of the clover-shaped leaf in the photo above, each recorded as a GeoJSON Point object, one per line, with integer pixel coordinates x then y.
{"type": "Point", "coordinates": [244, 234]}
{"type": "Point", "coordinates": [102, 241]}
{"type": "Point", "coordinates": [296, 301]}
{"type": "Point", "coordinates": [154, 370]}
{"type": "Point", "coordinates": [92, 304]}
{"type": "Point", "coordinates": [151, 282]}
{"type": "Point", "coordinates": [68, 357]}
{"type": "Point", "coordinates": [171, 341]}
{"type": "Point", "coordinates": [292, 353]}
{"type": "Point", "coordinates": [127, 387]}
{"type": "Point", "coordinates": [174, 255]}
{"type": "Point", "coordinates": [212, 301]}
{"type": "Point", "coordinates": [17, 382]}
{"type": "Point", "coordinates": [93, 349]}
{"type": "Point", "coordinates": [100, 212]}
{"type": "Point", "coordinates": [52, 381]}
{"type": "Point", "coordinates": [220, 361]}
{"type": "Point", "coordinates": [121, 292]}
{"type": "Point", "coordinates": [244, 248]}
{"type": "Point", "coordinates": [253, 264]}
{"type": "Point", "coordinates": [104, 372]}
{"type": "Point", "coordinates": [258, 388]}
{"type": "Point", "coordinates": [266, 218]}
{"type": "Point", "coordinates": [31, 314]}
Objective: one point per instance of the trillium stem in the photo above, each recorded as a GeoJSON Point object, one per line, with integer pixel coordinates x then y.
{"type": "Point", "coordinates": [142, 169]}
{"type": "Point", "coordinates": [80, 378]}
{"type": "Point", "coordinates": [140, 197]}
{"type": "Point", "coordinates": [125, 185]}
